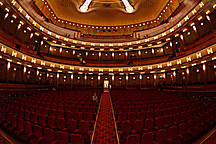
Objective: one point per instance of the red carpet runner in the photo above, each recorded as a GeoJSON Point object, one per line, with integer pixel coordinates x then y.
{"type": "Point", "coordinates": [105, 129]}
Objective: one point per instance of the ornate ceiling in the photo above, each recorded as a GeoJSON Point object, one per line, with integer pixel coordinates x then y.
{"type": "Point", "coordinates": [107, 12]}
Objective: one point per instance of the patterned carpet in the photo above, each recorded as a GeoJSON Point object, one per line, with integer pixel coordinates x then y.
{"type": "Point", "coordinates": [211, 139]}
{"type": "Point", "coordinates": [3, 140]}
{"type": "Point", "coordinates": [105, 129]}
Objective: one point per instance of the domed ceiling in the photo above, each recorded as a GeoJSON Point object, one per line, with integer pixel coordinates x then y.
{"type": "Point", "coordinates": [107, 12]}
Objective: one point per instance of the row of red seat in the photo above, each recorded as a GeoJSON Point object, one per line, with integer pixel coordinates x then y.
{"type": "Point", "coordinates": [144, 107]}
{"type": "Point", "coordinates": [30, 117]}
{"type": "Point", "coordinates": [175, 134]}
{"type": "Point", "coordinates": [184, 115]}
{"type": "Point", "coordinates": [43, 133]}
{"type": "Point", "coordinates": [175, 116]}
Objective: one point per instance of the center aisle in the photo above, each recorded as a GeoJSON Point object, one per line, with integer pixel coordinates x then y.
{"type": "Point", "coordinates": [105, 129]}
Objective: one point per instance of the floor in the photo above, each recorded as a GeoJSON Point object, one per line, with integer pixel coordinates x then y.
{"type": "Point", "coordinates": [105, 132]}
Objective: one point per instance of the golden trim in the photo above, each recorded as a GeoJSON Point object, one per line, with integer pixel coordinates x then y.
{"type": "Point", "coordinates": [114, 120]}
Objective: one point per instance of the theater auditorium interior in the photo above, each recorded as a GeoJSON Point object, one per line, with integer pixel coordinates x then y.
{"type": "Point", "coordinates": [107, 71]}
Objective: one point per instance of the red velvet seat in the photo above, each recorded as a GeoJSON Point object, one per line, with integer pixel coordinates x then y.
{"type": "Point", "coordinates": [141, 115]}
{"type": "Point", "coordinates": [68, 115]}
{"type": "Point", "coordinates": [161, 136]}
{"type": "Point", "coordinates": [132, 116]}
{"type": "Point", "coordinates": [191, 131]}
{"type": "Point", "coordinates": [45, 111]}
{"type": "Point", "coordinates": [77, 139]}
{"type": "Point", "coordinates": [197, 125]}
{"type": "Point", "coordinates": [159, 123]}
{"type": "Point", "coordinates": [60, 107]}
{"type": "Point", "coordinates": [71, 125]}
{"type": "Point", "coordinates": [149, 125]}
{"type": "Point", "coordinates": [126, 129]}
{"type": "Point", "coordinates": [27, 116]}
{"type": "Point", "coordinates": [52, 112]}
{"type": "Point", "coordinates": [16, 111]}
{"type": "Point", "coordinates": [158, 113]}
{"type": "Point", "coordinates": [51, 122]}
{"type": "Point", "coordinates": [37, 134]}
{"type": "Point", "coordinates": [49, 136]}
{"type": "Point", "coordinates": [27, 131]}
{"type": "Point", "coordinates": [119, 109]}
{"type": "Point", "coordinates": [148, 138]}
{"type": "Point", "coordinates": [182, 131]}
{"type": "Point", "coordinates": [8, 120]}
{"type": "Point", "coordinates": [138, 126]}
{"type": "Point", "coordinates": [19, 128]}
{"type": "Point", "coordinates": [176, 118]}
{"type": "Point", "coordinates": [60, 114]}
{"type": "Point", "coordinates": [173, 135]}
{"type": "Point", "coordinates": [78, 116]}
{"type": "Point", "coordinates": [21, 113]}
{"type": "Point", "coordinates": [38, 110]}
{"type": "Point", "coordinates": [42, 120]}
{"type": "Point", "coordinates": [121, 117]}
{"type": "Point", "coordinates": [133, 139]}
{"type": "Point", "coordinates": [150, 114]}
{"type": "Point", "coordinates": [13, 123]}
{"type": "Point", "coordinates": [88, 117]}
{"type": "Point", "coordinates": [127, 109]}
{"type": "Point", "coordinates": [84, 130]}
{"type": "Point", "coordinates": [168, 121]}
{"type": "Point", "coordinates": [34, 117]}
{"type": "Point", "coordinates": [61, 138]}
{"type": "Point", "coordinates": [61, 124]}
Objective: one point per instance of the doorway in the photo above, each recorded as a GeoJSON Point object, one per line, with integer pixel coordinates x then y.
{"type": "Point", "coordinates": [106, 84]}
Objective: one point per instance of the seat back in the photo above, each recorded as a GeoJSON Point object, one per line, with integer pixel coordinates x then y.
{"type": "Point", "coordinates": [20, 123]}
{"type": "Point", "coordinates": [133, 139]}
{"type": "Point", "coordinates": [62, 137]}
{"type": "Point", "coordinates": [78, 116]}
{"type": "Point", "coordinates": [49, 135]}
{"type": "Point", "coordinates": [38, 131]}
{"type": "Point", "coordinates": [60, 123]}
{"type": "Point", "coordinates": [68, 115]}
{"type": "Point", "coordinates": [148, 138]}
{"type": "Point", "coordinates": [132, 116]}
{"type": "Point", "coordinates": [182, 128]}
{"type": "Point", "coordinates": [83, 127]}
{"type": "Point", "coordinates": [77, 139]}
{"type": "Point", "coordinates": [141, 115]}
{"type": "Point", "coordinates": [172, 132]}
{"type": "Point", "coordinates": [159, 122]}
{"type": "Point", "coordinates": [51, 121]}
{"type": "Point", "coordinates": [71, 125]}
{"type": "Point", "coordinates": [138, 126]}
{"type": "Point", "coordinates": [28, 127]}
{"type": "Point", "coordinates": [149, 124]}
{"type": "Point", "coordinates": [126, 127]}
{"type": "Point", "coordinates": [122, 117]}
{"type": "Point", "coordinates": [161, 136]}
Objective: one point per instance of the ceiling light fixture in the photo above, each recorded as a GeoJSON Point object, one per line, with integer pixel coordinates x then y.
{"type": "Point", "coordinates": [128, 6]}
{"type": "Point", "coordinates": [85, 6]}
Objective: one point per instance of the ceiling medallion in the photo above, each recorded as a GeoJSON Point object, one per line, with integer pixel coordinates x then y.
{"type": "Point", "coordinates": [108, 3]}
